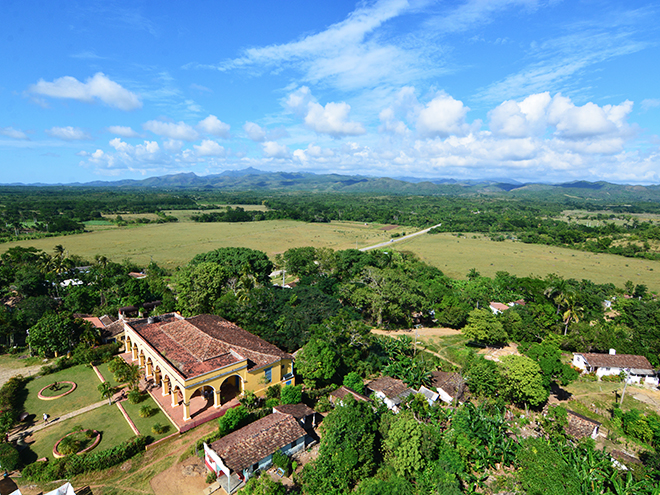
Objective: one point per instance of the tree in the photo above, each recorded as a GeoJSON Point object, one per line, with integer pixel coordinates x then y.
{"type": "Point", "coordinates": [404, 445]}
{"type": "Point", "coordinates": [107, 391]}
{"type": "Point", "coordinates": [483, 326]}
{"type": "Point", "coordinates": [9, 457]}
{"type": "Point", "coordinates": [483, 378]}
{"type": "Point", "coordinates": [354, 382]}
{"type": "Point", "coordinates": [125, 373]}
{"type": "Point", "coordinates": [348, 450]}
{"type": "Point", "coordinates": [317, 362]}
{"type": "Point", "coordinates": [291, 394]}
{"type": "Point", "coordinates": [263, 485]}
{"type": "Point", "coordinates": [522, 380]}
{"type": "Point", "coordinates": [55, 334]}
{"type": "Point", "coordinates": [199, 287]}
{"type": "Point", "coordinates": [301, 261]}
{"type": "Point", "coordinates": [233, 419]}
{"type": "Point", "coordinates": [239, 262]}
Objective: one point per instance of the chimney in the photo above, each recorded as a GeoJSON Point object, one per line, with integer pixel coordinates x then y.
{"type": "Point", "coordinates": [612, 352]}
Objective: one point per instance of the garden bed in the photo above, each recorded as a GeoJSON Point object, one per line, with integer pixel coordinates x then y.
{"type": "Point", "coordinates": [86, 442]}
{"type": "Point", "coordinates": [44, 393]}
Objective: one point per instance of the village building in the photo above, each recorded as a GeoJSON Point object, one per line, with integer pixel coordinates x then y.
{"type": "Point", "coordinates": [205, 356]}
{"type": "Point", "coordinates": [498, 307]}
{"type": "Point", "coordinates": [306, 416]}
{"type": "Point", "coordinates": [451, 387]}
{"type": "Point", "coordinates": [580, 426]}
{"type": "Point", "coordinates": [391, 391]}
{"type": "Point", "coordinates": [337, 396]}
{"type": "Point", "coordinates": [636, 368]}
{"type": "Point", "coordinates": [250, 449]}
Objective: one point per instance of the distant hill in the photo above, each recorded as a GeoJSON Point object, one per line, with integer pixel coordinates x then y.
{"type": "Point", "coordinates": [252, 179]}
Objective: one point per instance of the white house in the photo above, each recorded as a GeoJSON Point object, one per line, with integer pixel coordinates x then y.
{"type": "Point", "coordinates": [637, 368]}
{"type": "Point", "coordinates": [391, 391]}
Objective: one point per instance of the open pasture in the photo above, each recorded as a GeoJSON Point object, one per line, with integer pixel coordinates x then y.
{"type": "Point", "coordinates": [455, 256]}
{"type": "Point", "coordinates": [174, 244]}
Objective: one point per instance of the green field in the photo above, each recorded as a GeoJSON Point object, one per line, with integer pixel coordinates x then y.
{"type": "Point", "coordinates": [106, 419]}
{"type": "Point", "coordinates": [174, 244]}
{"type": "Point", "coordinates": [456, 256]}
{"type": "Point", "coordinates": [85, 394]}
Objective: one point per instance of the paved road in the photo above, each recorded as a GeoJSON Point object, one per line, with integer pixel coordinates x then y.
{"type": "Point", "coordinates": [398, 239]}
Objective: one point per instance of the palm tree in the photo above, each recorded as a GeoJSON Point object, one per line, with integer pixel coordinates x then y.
{"type": "Point", "coordinates": [107, 391]}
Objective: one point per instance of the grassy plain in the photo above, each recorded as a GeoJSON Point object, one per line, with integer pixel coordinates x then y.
{"type": "Point", "coordinates": [455, 256]}
{"type": "Point", "coordinates": [174, 244]}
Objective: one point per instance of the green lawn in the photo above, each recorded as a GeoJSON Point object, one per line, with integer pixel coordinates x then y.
{"type": "Point", "coordinates": [106, 419]}
{"type": "Point", "coordinates": [20, 360]}
{"type": "Point", "coordinates": [86, 392]}
{"type": "Point", "coordinates": [109, 377]}
{"type": "Point", "coordinates": [145, 424]}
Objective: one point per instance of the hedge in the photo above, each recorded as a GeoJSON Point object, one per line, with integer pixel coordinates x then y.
{"type": "Point", "coordinates": [73, 465]}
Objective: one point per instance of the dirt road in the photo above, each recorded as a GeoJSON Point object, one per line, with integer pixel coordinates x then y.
{"type": "Point", "coordinates": [6, 374]}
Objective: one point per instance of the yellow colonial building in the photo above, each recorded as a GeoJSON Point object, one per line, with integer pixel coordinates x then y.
{"type": "Point", "coordinates": [205, 356]}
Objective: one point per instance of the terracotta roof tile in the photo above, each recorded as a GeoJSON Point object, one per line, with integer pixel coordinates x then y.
{"type": "Point", "coordinates": [343, 391]}
{"type": "Point", "coordinates": [258, 440]}
{"type": "Point", "coordinates": [391, 387]}
{"type": "Point", "coordinates": [298, 411]}
{"type": "Point", "coordinates": [617, 361]}
{"type": "Point", "coordinates": [204, 343]}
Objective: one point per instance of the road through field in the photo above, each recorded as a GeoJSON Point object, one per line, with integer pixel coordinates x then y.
{"type": "Point", "coordinates": [392, 241]}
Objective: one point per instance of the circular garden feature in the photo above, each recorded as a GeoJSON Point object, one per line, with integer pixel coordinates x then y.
{"type": "Point", "coordinates": [76, 442]}
{"type": "Point", "coordinates": [56, 390]}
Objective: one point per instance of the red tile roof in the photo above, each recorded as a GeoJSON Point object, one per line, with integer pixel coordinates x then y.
{"type": "Point", "coordinates": [205, 343]}
{"type": "Point", "coordinates": [389, 386]}
{"type": "Point", "coordinates": [343, 391]}
{"type": "Point", "coordinates": [258, 440]}
{"type": "Point", "coordinates": [617, 361]}
{"type": "Point", "coordinates": [298, 411]}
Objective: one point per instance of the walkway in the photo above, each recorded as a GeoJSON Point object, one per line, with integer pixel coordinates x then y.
{"type": "Point", "coordinates": [52, 421]}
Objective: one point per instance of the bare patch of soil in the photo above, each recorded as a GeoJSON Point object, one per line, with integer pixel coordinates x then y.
{"type": "Point", "coordinates": [495, 354]}
{"type": "Point", "coordinates": [184, 478]}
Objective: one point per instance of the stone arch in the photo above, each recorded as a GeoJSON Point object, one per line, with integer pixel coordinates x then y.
{"type": "Point", "coordinates": [149, 367]}
{"type": "Point", "coordinates": [158, 376]}
{"type": "Point", "coordinates": [141, 357]}
{"type": "Point", "coordinates": [231, 387]}
{"type": "Point", "coordinates": [127, 344]}
{"type": "Point", "coordinates": [177, 395]}
{"type": "Point", "coordinates": [134, 352]}
{"type": "Point", "coordinates": [201, 399]}
{"type": "Point", "coordinates": [167, 385]}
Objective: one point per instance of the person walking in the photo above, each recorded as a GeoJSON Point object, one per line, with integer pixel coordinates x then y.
{"type": "Point", "coordinates": [46, 417]}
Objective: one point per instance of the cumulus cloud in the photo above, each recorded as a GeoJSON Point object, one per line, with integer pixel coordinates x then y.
{"type": "Point", "coordinates": [209, 148]}
{"type": "Point", "coordinates": [536, 113]}
{"type": "Point", "coordinates": [254, 132]}
{"type": "Point", "coordinates": [443, 116]}
{"type": "Point", "coordinates": [390, 124]}
{"type": "Point", "coordinates": [172, 145]}
{"type": "Point", "coordinates": [313, 152]}
{"type": "Point", "coordinates": [180, 131]}
{"type": "Point", "coordinates": [331, 119]}
{"type": "Point", "coordinates": [272, 149]}
{"type": "Point", "coordinates": [214, 126]}
{"type": "Point", "coordinates": [123, 131]}
{"type": "Point", "coordinates": [68, 133]}
{"type": "Point", "coordinates": [13, 133]}
{"type": "Point", "coordinates": [98, 87]}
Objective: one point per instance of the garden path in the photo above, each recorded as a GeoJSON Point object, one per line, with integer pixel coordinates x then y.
{"type": "Point", "coordinates": [41, 424]}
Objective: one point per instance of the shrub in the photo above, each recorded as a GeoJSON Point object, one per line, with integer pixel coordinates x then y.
{"type": "Point", "coordinates": [146, 411]}
{"type": "Point", "coordinates": [211, 477]}
{"type": "Point", "coordinates": [249, 400]}
{"type": "Point", "coordinates": [270, 403]}
{"type": "Point", "coordinates": [68, 467]}
{"type": "Point", "coordinates": [69, 445]}
{"type": "Point", "coordinates": [354, 382]}
{"type": "Point", "coordinates": [292, 394]}
{"type": "Point", "coordinates": [273, 392]}
{"type": "Point", "coordinates": [323, 405]}
{"type": "Point", "coordinates": [135, 396]}
{"type": "Point", "coordinates": [9, 457]}
{"type": "Point", "coordinates": [158, 429]}
{"type": "Point", "coordinates": [283, 461]}
{"type": "Point", "coordinates": [233, 419]}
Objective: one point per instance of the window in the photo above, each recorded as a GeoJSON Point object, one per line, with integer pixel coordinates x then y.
{"type": "Point", "coordinates": [268, 375]}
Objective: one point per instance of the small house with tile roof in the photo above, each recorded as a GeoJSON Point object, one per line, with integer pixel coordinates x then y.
{"type": "Point", "coordinates": [579, 426]}
{"type": "Point", "coordinates": [337, 396]}
{"type": "Point", "coordinates": [306, 416]}
{"type": "Point", "coordinates": [391, 391]}
{"type": "Point", "coordinates": [204, 355]}
{"type": "Point", "coordinates": [450, 386]}
{"type": "Point", "coordinates": [252, 447]}
{"type": "Point", "coordinates": [637, 368]}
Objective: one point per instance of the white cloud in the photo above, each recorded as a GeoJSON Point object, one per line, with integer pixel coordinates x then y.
{"type": "Point", "coordinates": [331, 119]}
{"type": "Point", "coordinates": [351, 54]}
{"type": "Point", "coordinates": [390, 124]}
{"type": "Point", "coordinates": [254, 132]}
{"type": "Point", "coordinates": [98, 87]}
{"type": "Point", "coordinates": [313, 152]}
{"type": "Point", "coordinates": [650, 103]}
{"type": "Point", "coordinates": [68, 133]}
{"type": "Point", "coordinates": [173, 145]}
{"type": "Point", "coordinates": [209, 148]}
{"type": "Point", "coordinates": [527, 118]}
{"type": "Point", "coordinates": [13, 133]}
{"type": "Point", "coordinates": [443, 116]}
{"type": "Point", "coordinates": [214, 126]}
{"type": "Point", "coordinates": [272, 149]}
{"type": "Point", "coordinates": [123, 131]}
{"type": "Point", "coordinates": [181, 131]}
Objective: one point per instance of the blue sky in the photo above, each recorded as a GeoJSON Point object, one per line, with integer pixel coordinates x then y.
{"type": "Point", "coordinates": [528, 90]}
